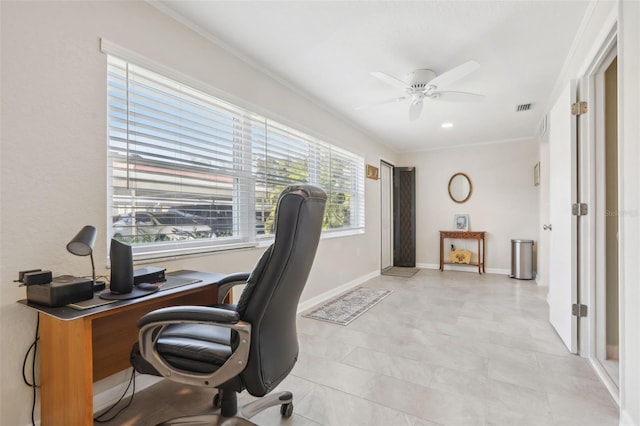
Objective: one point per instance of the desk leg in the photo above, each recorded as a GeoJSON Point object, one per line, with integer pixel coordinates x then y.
{"type": "Point", "coordinates": [480, 258]}
{"type": "Point", "coordinates": [66, 372]}
{"type": "Point", "coordinates": [441, 253]}
{"type": "Point", "coordinates": [483, 257]}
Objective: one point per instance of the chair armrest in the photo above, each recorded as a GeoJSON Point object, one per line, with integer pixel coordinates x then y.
{"type": "Point", "coordinates": [191, 314]}
{"type": "Point", "coordinates": [235, 277]}
{"type": "Point", "coordinates": [228, 282]}
{"type": "Point", "coordinates": [152, 324]}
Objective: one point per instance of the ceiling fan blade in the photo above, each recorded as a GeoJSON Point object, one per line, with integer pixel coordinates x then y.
{"type": "Point", "coordinates": [451, 96]}
{"type": "Point", "coordinates": [415, 109]}
{"type": "Point", "coordinates": [390, 80]}
{"type": "Point", "coordinates": [454, 74]}
{"type": "Point", "coordinates": [388, 101]}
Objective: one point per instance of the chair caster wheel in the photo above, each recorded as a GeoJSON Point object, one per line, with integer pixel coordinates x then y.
{"type": "Point", "coordinates": [286, 410]}
{"type": "Point", "coordinates": [217, 403]}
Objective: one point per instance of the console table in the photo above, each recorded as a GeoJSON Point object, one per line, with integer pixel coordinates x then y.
{"type": "Point", "coordinates": [464, 235]}
{"type": "Point", "coordinates": [78, 347]}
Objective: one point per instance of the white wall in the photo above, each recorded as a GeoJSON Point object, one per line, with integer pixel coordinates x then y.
{"type": "Point", "coordinates": [53, 153]}
{"type": "Point", "coordinates": [504, 202]}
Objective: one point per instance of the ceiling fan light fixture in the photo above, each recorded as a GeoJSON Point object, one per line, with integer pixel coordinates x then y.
{"type": "Point", "coordinates": [424, 83]}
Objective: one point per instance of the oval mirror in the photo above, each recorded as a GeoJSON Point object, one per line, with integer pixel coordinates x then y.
{"type": "Point", "coordinates": [460, 187]}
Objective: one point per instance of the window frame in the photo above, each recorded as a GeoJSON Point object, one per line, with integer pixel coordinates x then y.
{"type": "Point", "coordinates": [246, 234]}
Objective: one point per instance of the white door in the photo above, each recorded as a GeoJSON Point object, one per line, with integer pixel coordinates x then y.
{"type": "Point", "coordinates": [386, 215]}
{"type": "Point", "coordinates": [563, 290]}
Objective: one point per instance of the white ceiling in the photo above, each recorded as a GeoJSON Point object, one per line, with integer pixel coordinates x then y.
{"type": "Point", "coordinates": [327, 49]}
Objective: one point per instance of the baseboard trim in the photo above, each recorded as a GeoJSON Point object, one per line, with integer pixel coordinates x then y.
{"type": "Point", "coordinates": [428, 265]}
{"type": "Point", "coordinates": [321, 298]}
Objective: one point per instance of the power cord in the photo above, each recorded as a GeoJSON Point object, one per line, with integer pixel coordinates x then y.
{"type": "Point", "coordinates": [32, 384]}
{"type": "Point", "coordinates": [132, 380]}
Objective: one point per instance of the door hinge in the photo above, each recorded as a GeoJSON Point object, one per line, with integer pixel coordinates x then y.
{"type": "Point", "coordinates": [579, 209]}
{"type": "Point", "coordinates": [578, 108]}
{"type": "Point", "coordinates": [578, 310]}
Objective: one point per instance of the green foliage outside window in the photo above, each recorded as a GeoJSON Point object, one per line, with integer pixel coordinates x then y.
{"type": "Point", "coordinates": [285, 172]}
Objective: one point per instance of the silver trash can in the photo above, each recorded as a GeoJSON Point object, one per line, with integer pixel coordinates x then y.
{"type": "Point", "coordinates": [522, 259]}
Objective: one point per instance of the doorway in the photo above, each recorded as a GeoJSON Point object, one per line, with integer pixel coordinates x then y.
{"type": "Point", "coordinates": [404, 216]}
{"type": "Point", "coordinates": [600, 179]}
{"type": "Point", "coordinates": [610, 355]}
{"type": "Point", "coordinates": [584, 262]}
{"type": "Point", "coordinates": [386, 216]}
{"type": "Point", "coordinates": [606, 334]}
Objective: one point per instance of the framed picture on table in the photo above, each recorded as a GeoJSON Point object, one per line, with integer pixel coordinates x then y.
{"type": "Point", "coordinates": [461, 222]}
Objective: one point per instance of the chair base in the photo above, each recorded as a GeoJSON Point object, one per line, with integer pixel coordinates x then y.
{"type": "Point", "coordinates": [241, 418]}
{"type": "Point", "coordinates": [208, 420]}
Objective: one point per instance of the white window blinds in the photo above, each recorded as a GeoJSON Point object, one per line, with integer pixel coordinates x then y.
{"type": "Point", "coordinates": [186, 168]}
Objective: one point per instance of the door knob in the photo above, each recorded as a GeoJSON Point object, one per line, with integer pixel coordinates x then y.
{"type": "Point", "coordinates": [546, 227]}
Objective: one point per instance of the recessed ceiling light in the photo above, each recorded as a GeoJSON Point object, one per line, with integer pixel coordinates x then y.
{"type": "Point", "coordinates": [447, 125]}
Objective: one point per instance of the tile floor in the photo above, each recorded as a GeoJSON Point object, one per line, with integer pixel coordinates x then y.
{"type": "Point", "coordinates": [450, 348]}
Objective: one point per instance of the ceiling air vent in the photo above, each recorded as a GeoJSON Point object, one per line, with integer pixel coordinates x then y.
{"type": "Point", "coordinates": [524, 107]}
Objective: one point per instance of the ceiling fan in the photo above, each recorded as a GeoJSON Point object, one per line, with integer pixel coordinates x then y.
{"type": "Point", "coordinates": [425, 83]}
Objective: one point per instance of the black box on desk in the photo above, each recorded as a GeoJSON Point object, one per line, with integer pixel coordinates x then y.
{"type": "Point", "coordinates": [150, 274]}
{"type": "Point", "coordinates": [61, 291]}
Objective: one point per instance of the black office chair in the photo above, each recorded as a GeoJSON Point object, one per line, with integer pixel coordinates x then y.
{"type": "Point", "coordinates": [250, 346]}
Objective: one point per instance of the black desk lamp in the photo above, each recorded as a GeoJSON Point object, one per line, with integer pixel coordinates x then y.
{"type": "Point", "coordinates": [82, 245]}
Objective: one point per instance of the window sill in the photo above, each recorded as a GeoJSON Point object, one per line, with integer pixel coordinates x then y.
{"type": "Point", "coordinates": [152, 256]}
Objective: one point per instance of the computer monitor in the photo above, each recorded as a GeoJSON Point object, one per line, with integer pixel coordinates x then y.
{"type": "Point", "coordinates": [121, 285]}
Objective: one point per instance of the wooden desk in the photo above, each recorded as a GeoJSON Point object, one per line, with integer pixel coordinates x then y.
{"type": "Point", "coordinates": [464, 235]}
{"type": "Point", "coordinates": [80, 347]}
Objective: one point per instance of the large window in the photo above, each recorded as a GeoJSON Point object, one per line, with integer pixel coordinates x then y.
{"type": "Point", "coordinates": [188, 170]}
